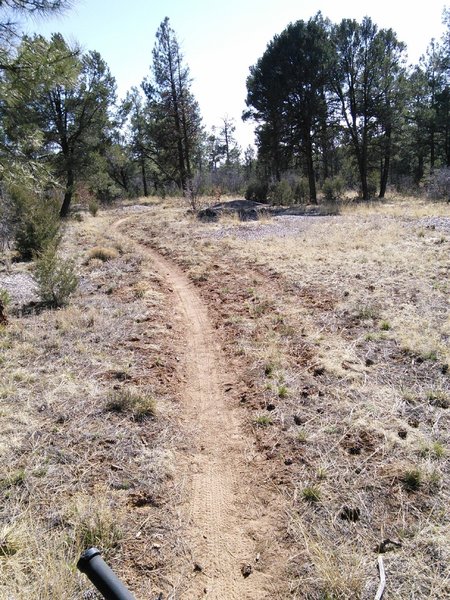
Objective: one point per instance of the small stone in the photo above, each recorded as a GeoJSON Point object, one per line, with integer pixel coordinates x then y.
{"type": "Point", "coordinates": [198, 568]}
{"type": "Point", "coordinates": [246, 570]}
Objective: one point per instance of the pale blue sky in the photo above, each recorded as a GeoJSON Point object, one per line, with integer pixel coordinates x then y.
{"type": "Point", "coordinates": [222, 39]}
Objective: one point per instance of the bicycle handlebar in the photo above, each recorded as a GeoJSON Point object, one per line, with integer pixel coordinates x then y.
{"type": "Point", "coordinates": [102, 576]}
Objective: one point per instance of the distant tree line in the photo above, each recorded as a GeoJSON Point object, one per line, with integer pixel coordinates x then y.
{"type": "Point", "coordinates": [335, 107]}
{"type": "Point", "coordinates": [337, 101]}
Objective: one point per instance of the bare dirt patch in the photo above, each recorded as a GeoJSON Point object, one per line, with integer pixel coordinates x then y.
{"type": "Point", "coordinates": [229, 534]}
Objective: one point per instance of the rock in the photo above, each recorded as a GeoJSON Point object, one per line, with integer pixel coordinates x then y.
{"type": "Point", "coordinates": [246, 570]}
{"type": "Point", "coordinates": [208, 215]}
{"type": "Point", "coordinates": [248, 214]}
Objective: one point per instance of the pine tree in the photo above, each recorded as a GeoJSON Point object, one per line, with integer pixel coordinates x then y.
{"type": "Point", "coordinates": [172, 111]}
{"type": "Point", "coordinates": [62, 107]}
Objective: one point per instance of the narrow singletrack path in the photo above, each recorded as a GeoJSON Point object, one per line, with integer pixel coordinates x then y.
{"type": "Point", "coordinates": [217, 508]}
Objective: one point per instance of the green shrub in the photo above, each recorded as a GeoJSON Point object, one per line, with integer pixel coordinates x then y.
{"type": "Point", "coordinates": [36, 222]}
{"type": "Point", "coordinates": [281, 193]}
{"type": "Point", "coordinates": [257, 191]}
{"type": "Point", "coordinates": [55, 277]}
{"type": "Point", "coordinates": [333, 189]}
{"type": "Point", "coordinates": [300, 190]}
{"type": "Point", "coordinates": [412, 479]}
{"type": "Point", "coordinates": [103, 253]}
{"type": "Point", "coordinates": [263, 420]}
{"type": "Point", "coordinates": [5, 298]}
{"type": "Point", "coordinates": [93, 207]}
{"type": "Point", "coordinates": [311, 494]}
{"type": "Point", "coordinates": [4, 301]}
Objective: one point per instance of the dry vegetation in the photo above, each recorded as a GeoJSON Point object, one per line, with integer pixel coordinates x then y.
{"type": "Point", "coordinates": [337, 329]}
{"type": "Point", "coordinates": [88, 399]}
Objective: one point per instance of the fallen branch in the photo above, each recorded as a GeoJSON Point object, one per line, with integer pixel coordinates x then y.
{"type": "Point", "coordinates": [382, 585]}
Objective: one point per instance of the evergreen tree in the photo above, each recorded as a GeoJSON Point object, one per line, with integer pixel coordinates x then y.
{"type": "Point", "coordinates": [389, 99]}
{"type": "Point", "coordinates": [228, 142]}
{"type": "Point", "coordinates": [65, 106]}
{"type": "Point", "coordinates": [285, 92]}
{"type": "Point", "coordinates": [172, 112]}
{"type": "Point", "coordinates": [11, 11]}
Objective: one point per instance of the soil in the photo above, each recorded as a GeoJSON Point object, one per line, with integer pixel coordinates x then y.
{"type": "Point", "coordinates": [224, 519]}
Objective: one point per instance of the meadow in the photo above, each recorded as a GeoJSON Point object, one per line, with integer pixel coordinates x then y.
{"type": "Point", "coordinates": [334, 332]}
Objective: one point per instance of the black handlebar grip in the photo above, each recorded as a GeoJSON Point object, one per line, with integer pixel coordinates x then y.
{"type": "Point", "coordinates": [104, 578]}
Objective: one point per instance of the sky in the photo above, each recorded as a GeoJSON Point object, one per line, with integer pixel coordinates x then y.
{"type": "Point", "coordinates": [220, 40]}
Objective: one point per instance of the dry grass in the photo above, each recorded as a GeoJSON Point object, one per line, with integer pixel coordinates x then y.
{"type": "Point", "coordinates": [338, 331]}
{"type": "Point", "coordinates": [75, 471]}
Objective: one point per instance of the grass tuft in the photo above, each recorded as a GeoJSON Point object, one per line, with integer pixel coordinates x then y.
{"type": "Point", "coordinates": [263, 420]}
{"type": "Point", "coordinates": [311, 494]}
{"type": "Point", "coordinates": [102, 253]}
{"type": "Point", "coordinates": [412, 479]}
{"type": "Point", "coordinates": [139, 405]}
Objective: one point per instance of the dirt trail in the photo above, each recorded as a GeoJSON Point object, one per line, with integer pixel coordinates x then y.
{"type": "Point", "coordinates": [218, 510]}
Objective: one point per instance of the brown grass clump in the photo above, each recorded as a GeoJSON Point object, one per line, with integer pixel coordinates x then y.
{"type": "Point", "coordinates": [337, 328]}
{"type": "Point", "coordinates": [102, 253]}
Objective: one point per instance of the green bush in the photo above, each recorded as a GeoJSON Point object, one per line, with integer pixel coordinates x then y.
{"type": "Point", "coordinates": [139, 405]}
{"type": "Point", "coordinates": [4, 301]}
{"type": "Point", "coordinates": [5, 298]}
{"type": "Point", "coordinates": [300, 189]}
{"type": "Point", "coordinates": [55, 277]}
{"type": "Point", "coordinates": [93, 207]}
{"type": "Point", "coordinates": [36, 222]}
{"type": "Point", "coordinates": [333, 189]}
{"type": "Point", "coordinates": [257, 191]}
{"type": "Point", "coordinates": [281, 193]}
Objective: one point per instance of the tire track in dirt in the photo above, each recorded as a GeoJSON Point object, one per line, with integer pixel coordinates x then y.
{"type": "Point", "coordinates": [217, 504]}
